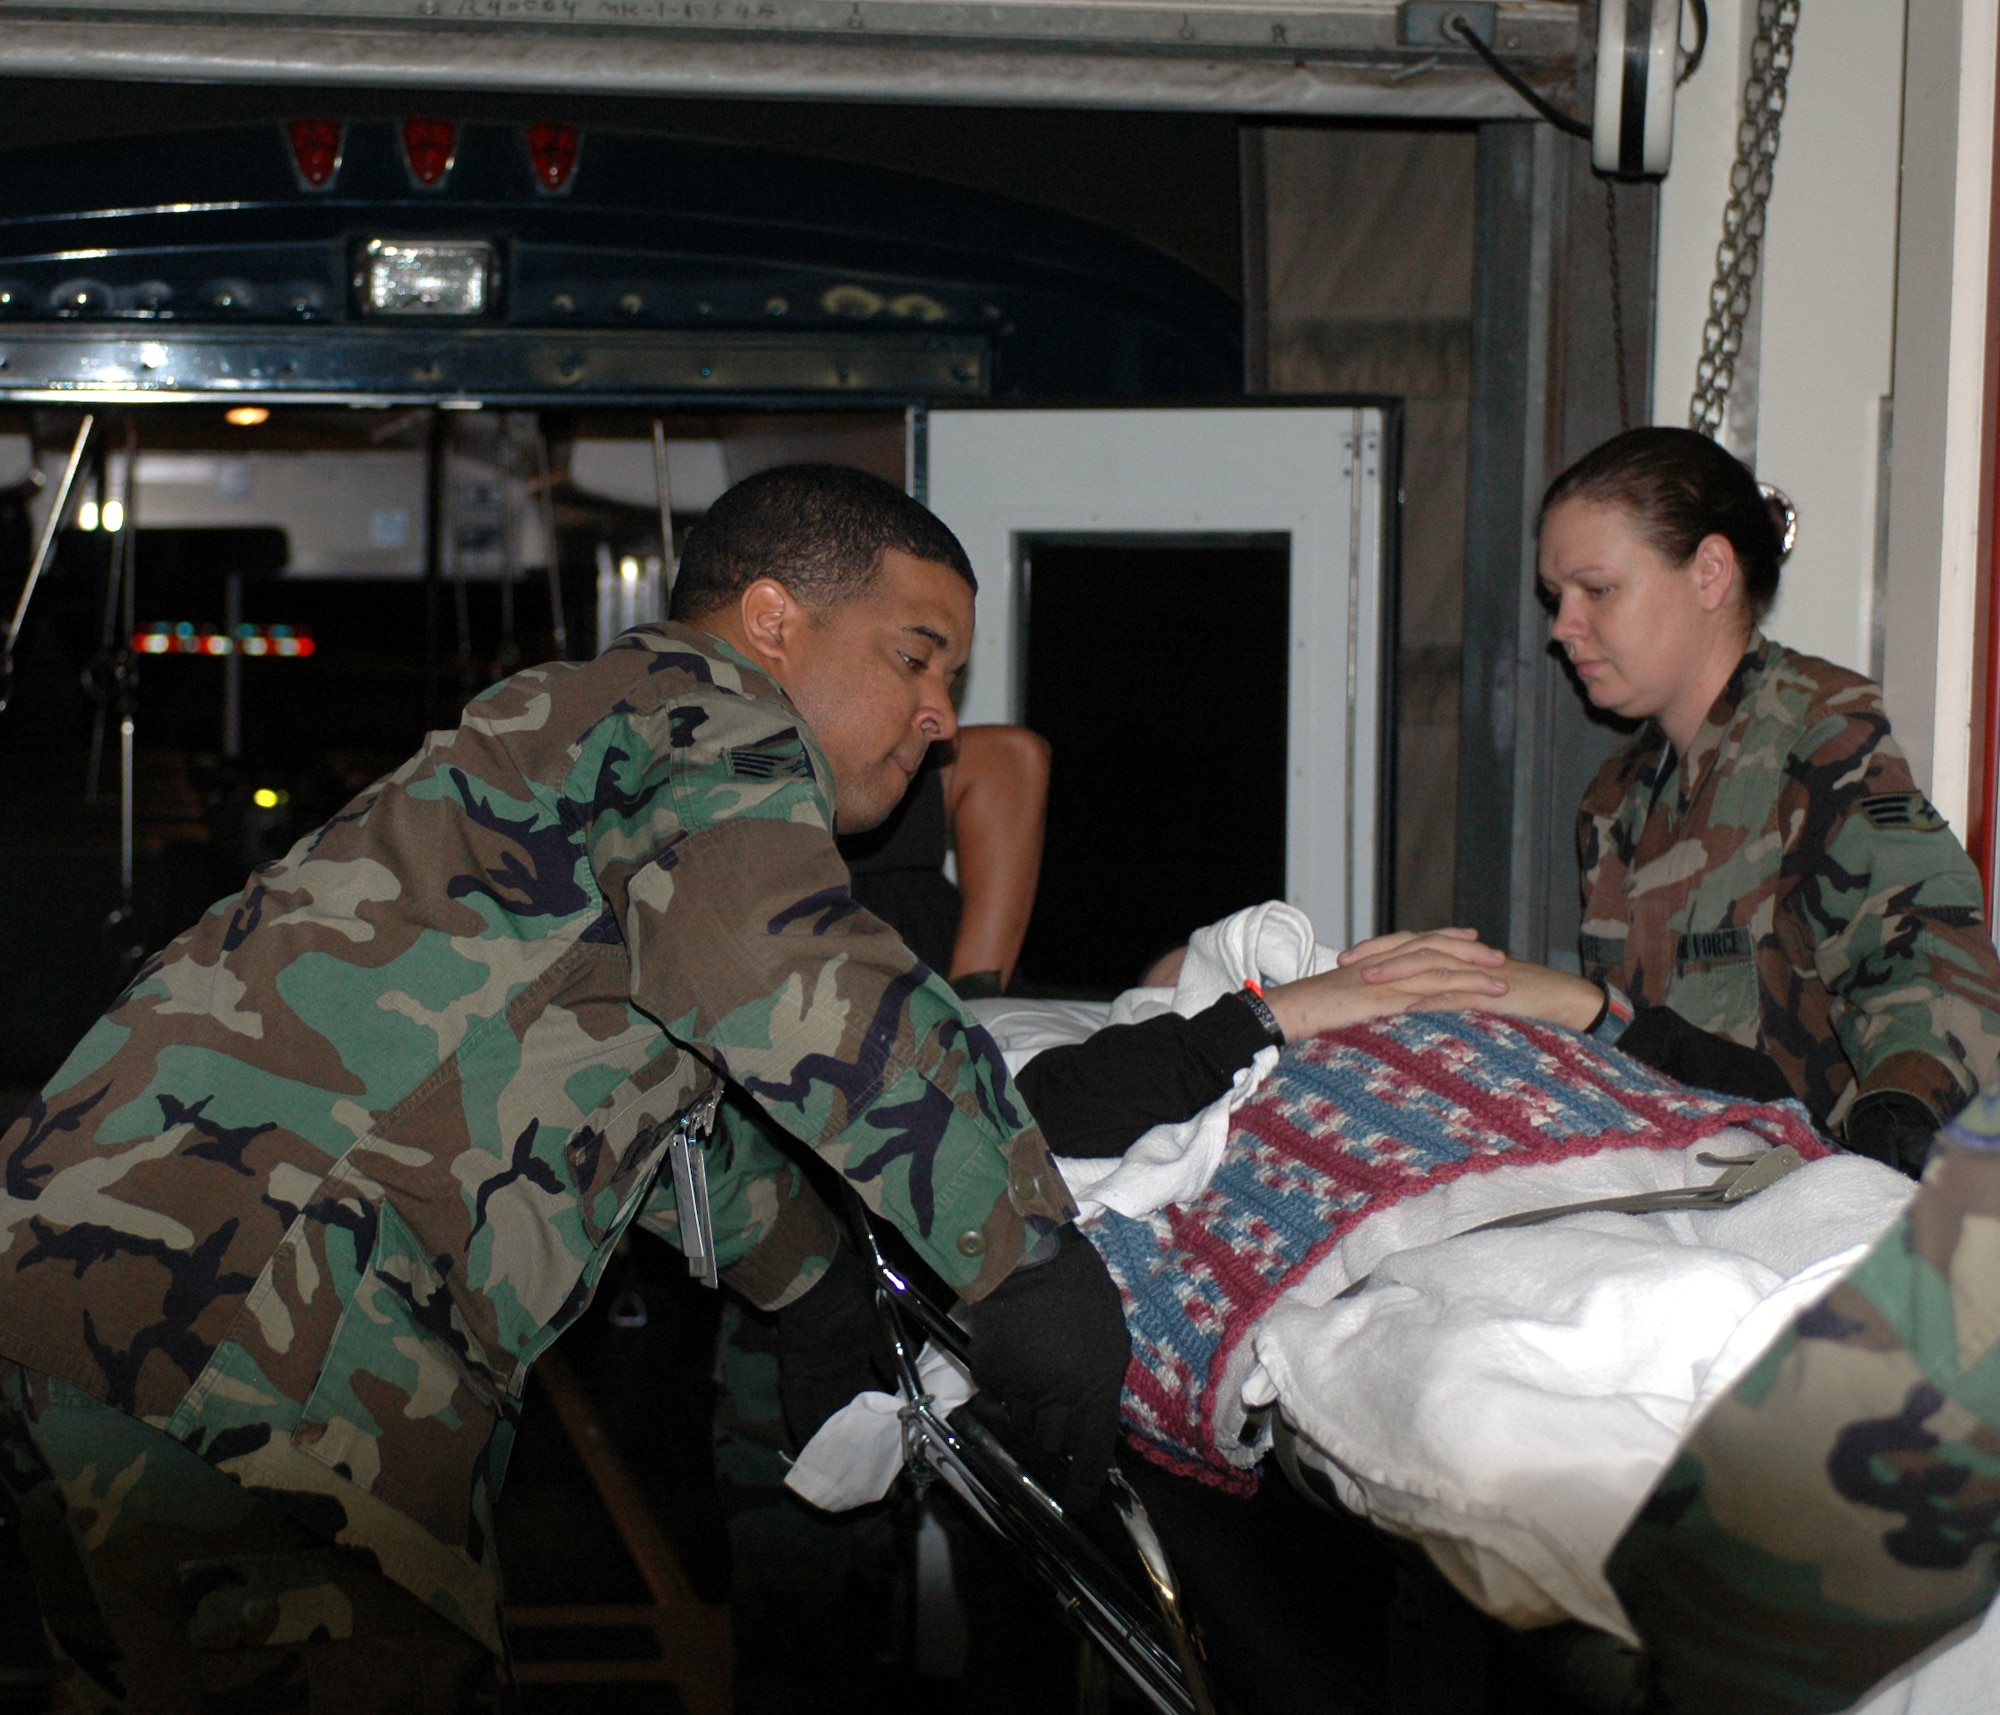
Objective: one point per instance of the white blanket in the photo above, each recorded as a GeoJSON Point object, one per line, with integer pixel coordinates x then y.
{"type": "Point", "coordinates": [1509, 1398]}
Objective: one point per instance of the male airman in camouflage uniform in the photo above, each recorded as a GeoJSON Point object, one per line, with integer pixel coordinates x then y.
{"type": "Point", "coordinates": [307, 1203]}
{"type": "Point", "coordinates": [1787, 886]}
{"type": "Point", "coordinates": [1838, 1513]}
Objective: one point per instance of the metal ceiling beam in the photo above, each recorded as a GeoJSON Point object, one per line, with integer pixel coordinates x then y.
{"type": "Point", "coordinates": [1261, 58]}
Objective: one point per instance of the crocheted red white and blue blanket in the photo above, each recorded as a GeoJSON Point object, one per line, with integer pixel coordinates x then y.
{"type": "Point", "coordinates": [1346, 1125]}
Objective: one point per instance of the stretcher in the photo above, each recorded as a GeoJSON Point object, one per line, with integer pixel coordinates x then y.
{"type": "Point", "coordinates": [1139, 1623]}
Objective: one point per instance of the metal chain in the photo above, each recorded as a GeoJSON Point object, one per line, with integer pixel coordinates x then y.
{"type": "Point", "coordinates": [1742, 246]}
{"type": "Point", "coordinates": [1617, 302]}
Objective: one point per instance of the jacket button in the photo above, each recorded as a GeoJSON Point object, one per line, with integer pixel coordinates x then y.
{"type": "Point", "coordinates": [1027, 1186]}
{"type": "Point", "coordinates": [971, 1244]}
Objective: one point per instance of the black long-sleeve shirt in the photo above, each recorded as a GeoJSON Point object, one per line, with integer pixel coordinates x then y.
{"type": "Point", "coordinates": [1095, 1097]}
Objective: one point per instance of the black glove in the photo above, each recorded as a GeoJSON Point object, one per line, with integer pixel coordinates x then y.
{"type": "Point", "coordinates": [1660, 1038]}
{"type": "Point", "coordinates": [1893, 1127]}
{"type": "Point", "coordinates": [830, 1346]}
{"type": "Point", "coordinates": [1049, 1350]}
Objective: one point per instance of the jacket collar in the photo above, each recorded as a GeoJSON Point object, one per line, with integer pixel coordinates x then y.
{"type": "Point", "coordinates": [1715, 725]}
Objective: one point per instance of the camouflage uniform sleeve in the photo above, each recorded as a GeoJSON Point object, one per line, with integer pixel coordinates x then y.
{"type": "Point", "coordinates": [710, 838]}
{"type": "Point", "coordinates": [1838, 1512]}
{"type": "Point", "coordinates": [1888, 911]}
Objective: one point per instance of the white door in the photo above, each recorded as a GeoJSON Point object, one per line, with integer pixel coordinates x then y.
{"type": "Point", "coordinates": [1306, 481]}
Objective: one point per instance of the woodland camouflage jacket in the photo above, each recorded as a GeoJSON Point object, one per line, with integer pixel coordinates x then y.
{"type": "Point", "coordinates": [354, 1150]}
{"type": "Point", "coordinates": [1838, 1512]}
{"type": "Point", "coordinates": [1787, 886]}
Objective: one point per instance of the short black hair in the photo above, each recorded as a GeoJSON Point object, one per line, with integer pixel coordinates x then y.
{"type": "Point", "coordinates": [819, 529]}
{"type": "Point", "coordinates": [1678, 487]}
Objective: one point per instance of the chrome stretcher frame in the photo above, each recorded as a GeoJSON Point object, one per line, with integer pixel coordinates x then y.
{"type": "Point", "coordinates": [1145, 1637]}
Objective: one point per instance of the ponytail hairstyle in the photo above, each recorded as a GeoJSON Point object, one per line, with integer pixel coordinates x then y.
{"type": "Point", "coordinates": [1678, 487]}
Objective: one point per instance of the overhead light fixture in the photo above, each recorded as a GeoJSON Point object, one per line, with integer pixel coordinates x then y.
{"type": "Point", "coordinates": [439, 277]}
{"type": "Point", "coordinates": [247, 416]}
{"type": "Point", "coordinates": [86, 515]}
{"type": "Point", "coordinates": [112, 516]}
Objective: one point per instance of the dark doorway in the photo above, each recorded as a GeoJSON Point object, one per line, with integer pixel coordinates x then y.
{"type": "Point", "coordinates": [1156, 668]}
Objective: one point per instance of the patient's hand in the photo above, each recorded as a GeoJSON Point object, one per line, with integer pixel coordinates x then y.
{"type": "Point", "coordinates": [1516, 988]}
{"type": "Point", "coordinates": [1446, 970]}
{"type": "Point", "coordinates": [1547, 996]}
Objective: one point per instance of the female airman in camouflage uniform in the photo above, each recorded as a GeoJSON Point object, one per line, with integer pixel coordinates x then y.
{"type": "Point", "coordinates": [1759, 859]}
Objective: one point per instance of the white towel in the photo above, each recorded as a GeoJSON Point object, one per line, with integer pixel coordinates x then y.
{"type": "Point", "coordinates": [1271, 943]}
{"type": "Point", "coordinates": [858, 1451]}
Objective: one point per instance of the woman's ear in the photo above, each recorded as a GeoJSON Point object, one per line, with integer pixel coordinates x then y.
{"type": "Point", "coordinates": [1718, 578]}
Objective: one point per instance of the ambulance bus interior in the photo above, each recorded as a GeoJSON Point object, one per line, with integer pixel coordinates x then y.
{"type": "Point", "coordinates": [319, 414]}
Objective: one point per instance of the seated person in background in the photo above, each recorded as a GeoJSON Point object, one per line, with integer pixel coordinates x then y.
{"type": "Point", "coordinates": [986, 798]}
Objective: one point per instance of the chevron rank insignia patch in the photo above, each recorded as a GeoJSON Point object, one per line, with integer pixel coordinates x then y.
{"type": "Point", "coordinates": [1910, 810]}
{"type": "Point", "coordinates": [772, 760]}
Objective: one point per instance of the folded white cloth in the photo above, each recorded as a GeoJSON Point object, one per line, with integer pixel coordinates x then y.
{"type": "Point", "coordinates": [1271, 944]}
{"type": "Point", "coordinates": [1509, 1398]}
{"type": "Point", "coordinates": [858, 1451]}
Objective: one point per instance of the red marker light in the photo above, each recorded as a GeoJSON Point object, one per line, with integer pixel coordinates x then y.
{"type": "Point", "coordinates": [315, 150]}
{"type": "Point", "coordinates": [429, 146]}
{"type": "Point", "coordinates": [553, 146]}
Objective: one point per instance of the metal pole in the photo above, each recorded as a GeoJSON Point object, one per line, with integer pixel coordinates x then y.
{"type": "Point", "coordinates": [664, 490]}
{"type": "Point", "coordinates": [434, 527]}
{"type": "Point", "coordinates": [44, 551]}
{"type": "Point", "coordinates": [125, 683]}
{"type": "Point", "coordinates": [232, 668]}
{"type": "Point", "coordinates": [126, 669]}
{"type": "Point", "coordinates": [510, 650]}
{"type": "Point", "coordinates": [549, 532]}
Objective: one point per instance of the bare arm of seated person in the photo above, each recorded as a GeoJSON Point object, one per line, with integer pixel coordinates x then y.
{"type": "Point", "coordinates": [1095, 1097]}
{"type": "Point", "coordinates": [996, 803]}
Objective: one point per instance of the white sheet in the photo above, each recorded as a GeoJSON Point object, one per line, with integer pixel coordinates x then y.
{"type": "Point", "coordinates": [1508, 1399]}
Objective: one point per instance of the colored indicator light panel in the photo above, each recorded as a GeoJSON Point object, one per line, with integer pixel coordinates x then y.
{"type": "Point", "coordinates": [258, 642]}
